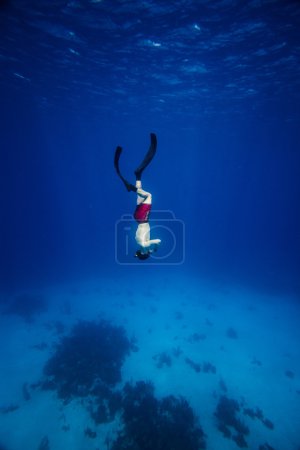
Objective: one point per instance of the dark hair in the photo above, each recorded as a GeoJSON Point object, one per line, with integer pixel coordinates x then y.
{"type": "Point", "coordinates": [140, 255]}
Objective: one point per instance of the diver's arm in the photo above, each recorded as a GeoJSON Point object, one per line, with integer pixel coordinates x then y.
{"type": "Point", "coordinates": [151, 245]}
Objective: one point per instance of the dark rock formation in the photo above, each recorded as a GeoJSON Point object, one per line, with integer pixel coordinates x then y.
{"type": "Point", "coordinates": [25, 392]}
{"type": "Point", "coordinates": [163, 359]}
{"type": "Point", "coordinates": [27, 306]}
{"type": "Point", "coordinates": [90, 433]}
{"type": "Point", "coordinates": [231, 333]}
{"type": "Point", "coordinates": [193, 365]}
{"type": "Point", "coordinates": [227, 417]}
{"type": "Point", "coordinates": [196, 337]}
{"type": "Point", "coordinates": [92, 353]}
{"type": "Point", "coordinates": [9, 408]}
{"type": "Point", "coordinates": [268, 424]}
{"type": "Point", "coordinates": [258, 414]}
{"type": "Point", "coordinates": [106, 403]}
{"type": "Point", "coordinates": [289, 374]}
{"type": "Point", "coordinates": [44, 444]}
{"type": "Point", "coordinates": [207, 367]}
{"type": "Point", "coordinates": [150, 423]}
{"type": "Point", "coordinates": [240, 440]}
{"type": "Point", "coordinates": [266, 447]}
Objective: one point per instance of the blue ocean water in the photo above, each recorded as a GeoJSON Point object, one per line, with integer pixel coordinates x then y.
{"type": "Point", "coordinates": [213, 316]}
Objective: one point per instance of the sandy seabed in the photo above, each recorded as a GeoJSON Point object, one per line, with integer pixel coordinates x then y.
{"type": "Point", "coordinates": [252, 340]}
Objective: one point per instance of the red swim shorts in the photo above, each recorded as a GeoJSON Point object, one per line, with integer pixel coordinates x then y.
{"type": "Point", "coordinates": [142, 212]}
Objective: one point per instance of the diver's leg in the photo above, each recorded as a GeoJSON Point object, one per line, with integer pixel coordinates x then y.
{"type": "Point", "coordinates": [128, 185]}
{"type": "Point", "coordinates": [142, 196]}
{"type": "Point", "coordinates": [138, 185]}
{"type": "Point", "coordinates": [148, 158]}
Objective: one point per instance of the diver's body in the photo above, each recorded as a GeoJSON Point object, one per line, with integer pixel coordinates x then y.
{"type": "Point", "coordinates": [141, 215]}
{"type": "Point", "coordinates": [144, 203]}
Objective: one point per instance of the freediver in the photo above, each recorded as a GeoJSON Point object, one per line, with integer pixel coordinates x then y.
{"type": "Point", "coordinates": [144, 202]}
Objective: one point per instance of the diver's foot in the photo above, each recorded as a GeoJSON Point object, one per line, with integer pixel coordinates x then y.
{"type": "Point", "coordinates": [130, 187]}
{"type": "Point", "coordinates": [138, 174]}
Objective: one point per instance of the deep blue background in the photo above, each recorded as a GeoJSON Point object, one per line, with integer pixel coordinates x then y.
{"type": "Point", "coordinates": [224, 105]}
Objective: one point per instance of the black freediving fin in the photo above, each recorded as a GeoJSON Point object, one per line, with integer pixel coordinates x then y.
{"type": "Point", "coordinates": [128, 185]}
{"type": "Point", "coordinates": [116, 160]}
{"type": "Point", "coordinates": [148, 158]}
